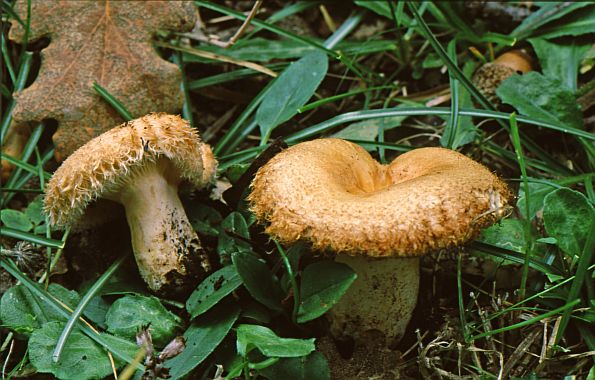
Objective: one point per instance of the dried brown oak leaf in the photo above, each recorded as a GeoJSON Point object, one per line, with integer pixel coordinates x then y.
{"type": "Point", "coordinates": [108, 42]}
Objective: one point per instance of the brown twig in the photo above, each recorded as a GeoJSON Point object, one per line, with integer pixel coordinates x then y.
{"type": "Point", "coordinates": [241, 30]}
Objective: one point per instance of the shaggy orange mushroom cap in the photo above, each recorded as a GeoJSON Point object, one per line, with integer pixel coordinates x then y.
{"type": "Point", "coordinates": [140, 165]}
{"type": "Point", "coordinates": [378, 219]}
{"type": "Point", "coordinates": [334, 194]}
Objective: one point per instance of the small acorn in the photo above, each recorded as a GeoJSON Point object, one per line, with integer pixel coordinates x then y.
{"type": "Point", "coordinates": [490, 75]}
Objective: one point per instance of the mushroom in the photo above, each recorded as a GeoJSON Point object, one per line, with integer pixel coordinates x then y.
{"type": "Point", "coordinates": [378, 219]}
{"type": "Point", "coordinates": [140, 164]}
{"type": "Point", "coordinates": [489, 76]}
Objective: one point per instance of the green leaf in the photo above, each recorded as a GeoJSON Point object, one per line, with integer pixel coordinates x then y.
{"type": "Point", "coordinates": [537, 192]}
{"type": "Point", "coordinates": [269, 344]}
{"type": "Point", "coordinates": [16, 219]}
{"type": "Point", "coordinates": [82, 358]}
{"type": "Point", "coordinates": [537, 96]}
{"type": "Point", "coordinates": [96, 311]}
{"type": "Point", "coordinates": [547, 13]}
{"type": "Point", "coordinates": [577, 24]}
{"type": "Point", "coordinates": [311, 367]}
{"type": "Point", "coordinates": [322, 286]}
{"type": "Point", "coordinates": [291, 90]}
{"type": "Point", "coordinates": [227, 243]}
{"type": "Point", "coordinates": [202, 337]}
{"type": "Point", "coordinates": [212, 290]}
{"type": "Point", "coordinates": [567, 216]}
{"type": "Point", "coordinates": [507, 234]}
{"type": "Point", "coordinates": [258, 279]}
{"type": "Point", "coordinates": [560, 61]}
{"type": "Point", "coordinates": [23, 312]}
{"type": "Point", "coordinates": [129, 313]}
{"type": "Point", "coordinates": [34, 211]}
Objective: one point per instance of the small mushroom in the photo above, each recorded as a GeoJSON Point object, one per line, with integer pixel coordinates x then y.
{"type": "Point", "coordinates": [140, 165]}
{"type": "Point", "coordinates": [378, 219]}
{"type": "Point", "coordinates": [489, 76]}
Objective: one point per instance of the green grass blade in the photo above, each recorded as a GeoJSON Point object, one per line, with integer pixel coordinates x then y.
{"type": "Point", "coordinates": [112, 101]}
{"type": "Point", "coordinates": [26, 154]}
{"type": "Point", "coordinates": [388, 112]}
{"type": "Point", "coordinates": [450, 131]}
{"type": "Point", "coordinates": [462, 317]}
{"type": "Point", "coordinates": [294, 285]}
{"type": "Point", "coordinates": [31, 238]}
{"type": "Point", "coordinates": [76, 314]}
{"type": "Point", "coordinates": [187, 107]}
{"type": "Point", "coordinates": [23, 165]}
{"type": "Point", "coordinates": [534, 262]}
{"type": "Point", "coordinates": [27, 176]}
{"type": "Point", "coordinates": [582, 274]}
{"type": "Point", "coordinates": [527, 322]}
{"type": "Point", "coordinates": [330, 99]}
{"type": "Point", "coordinates": [516, 143]}
{"type": "Point", "coordinates": [19, 85]}
{"type": "Point", "coordinates": [230, 76]}
{"type": "Point", "coordinates": [6, 58]}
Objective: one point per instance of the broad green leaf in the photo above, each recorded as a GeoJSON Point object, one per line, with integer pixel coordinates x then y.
{"type": "Point", "coordinates": [507, 234]}
{"type": "Point", "coordinates": [16, 219]}
{"type": "Point", "coordinates": [576, 24]}
{"type": "Point", "coordinates": [269, 344]}
{"type": "Point", "coordinates": [212, 290]}
{"type": "Point", "coordinates": [202, 337]}
{"type": "Point", "coordinates": [235, 171]}
{"type": "Point", "coordinates": [543, 98]}
{"type": "Point", "coordinates": [547, 13]}
{"type": "Point", "coordinates": [560, 61]}
{"type": "Point", "coordinates": [537, 192]}
{"type": "Point", "coordinates": [258, 279]}
{"type": "Point", "coordinates": [82, 358]}
{"type": "Point", "coordinates": [311, 367]}
{"type": "Point", "coordinates": [23, 312]}
{"type": "Point", "coordinates": [323, 284]}
{"type": "Point", "coordinates": [291, 90]}
{"type": "Point", "coordinates": [131, 312]}
{"type": "Point", "coordinates": [34, 211]}
{"type": "Point", "coordinates": [567, 216]}
{"type": "Point", "coordinates": [227, 243]}
{"type": "Point", "coordinates": [96, 311]}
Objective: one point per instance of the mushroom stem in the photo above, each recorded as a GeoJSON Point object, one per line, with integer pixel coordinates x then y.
{"type": "Point", "coordinates": [165, 246]}
{"type": "Point", "coordinates": [381, 299]}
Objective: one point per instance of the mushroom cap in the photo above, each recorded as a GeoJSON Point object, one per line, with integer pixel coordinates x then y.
{"type": "Point", "coordinates": [488, 77]}
{"type": "Point", "coordinates": [102, 165]}
{"type": "Point", "coordinates": [517, 60]}
{"type": "Point", "coordinates": [333, 194]}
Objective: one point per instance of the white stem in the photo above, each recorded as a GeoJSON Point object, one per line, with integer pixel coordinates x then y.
{"type": "Point", "coordinates": [166, 248]}
{"type": "Point", "coordinates": [380, 300]}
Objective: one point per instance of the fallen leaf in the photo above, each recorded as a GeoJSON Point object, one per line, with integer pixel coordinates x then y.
{"type": "Point", "coordinates": [108, 42]}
